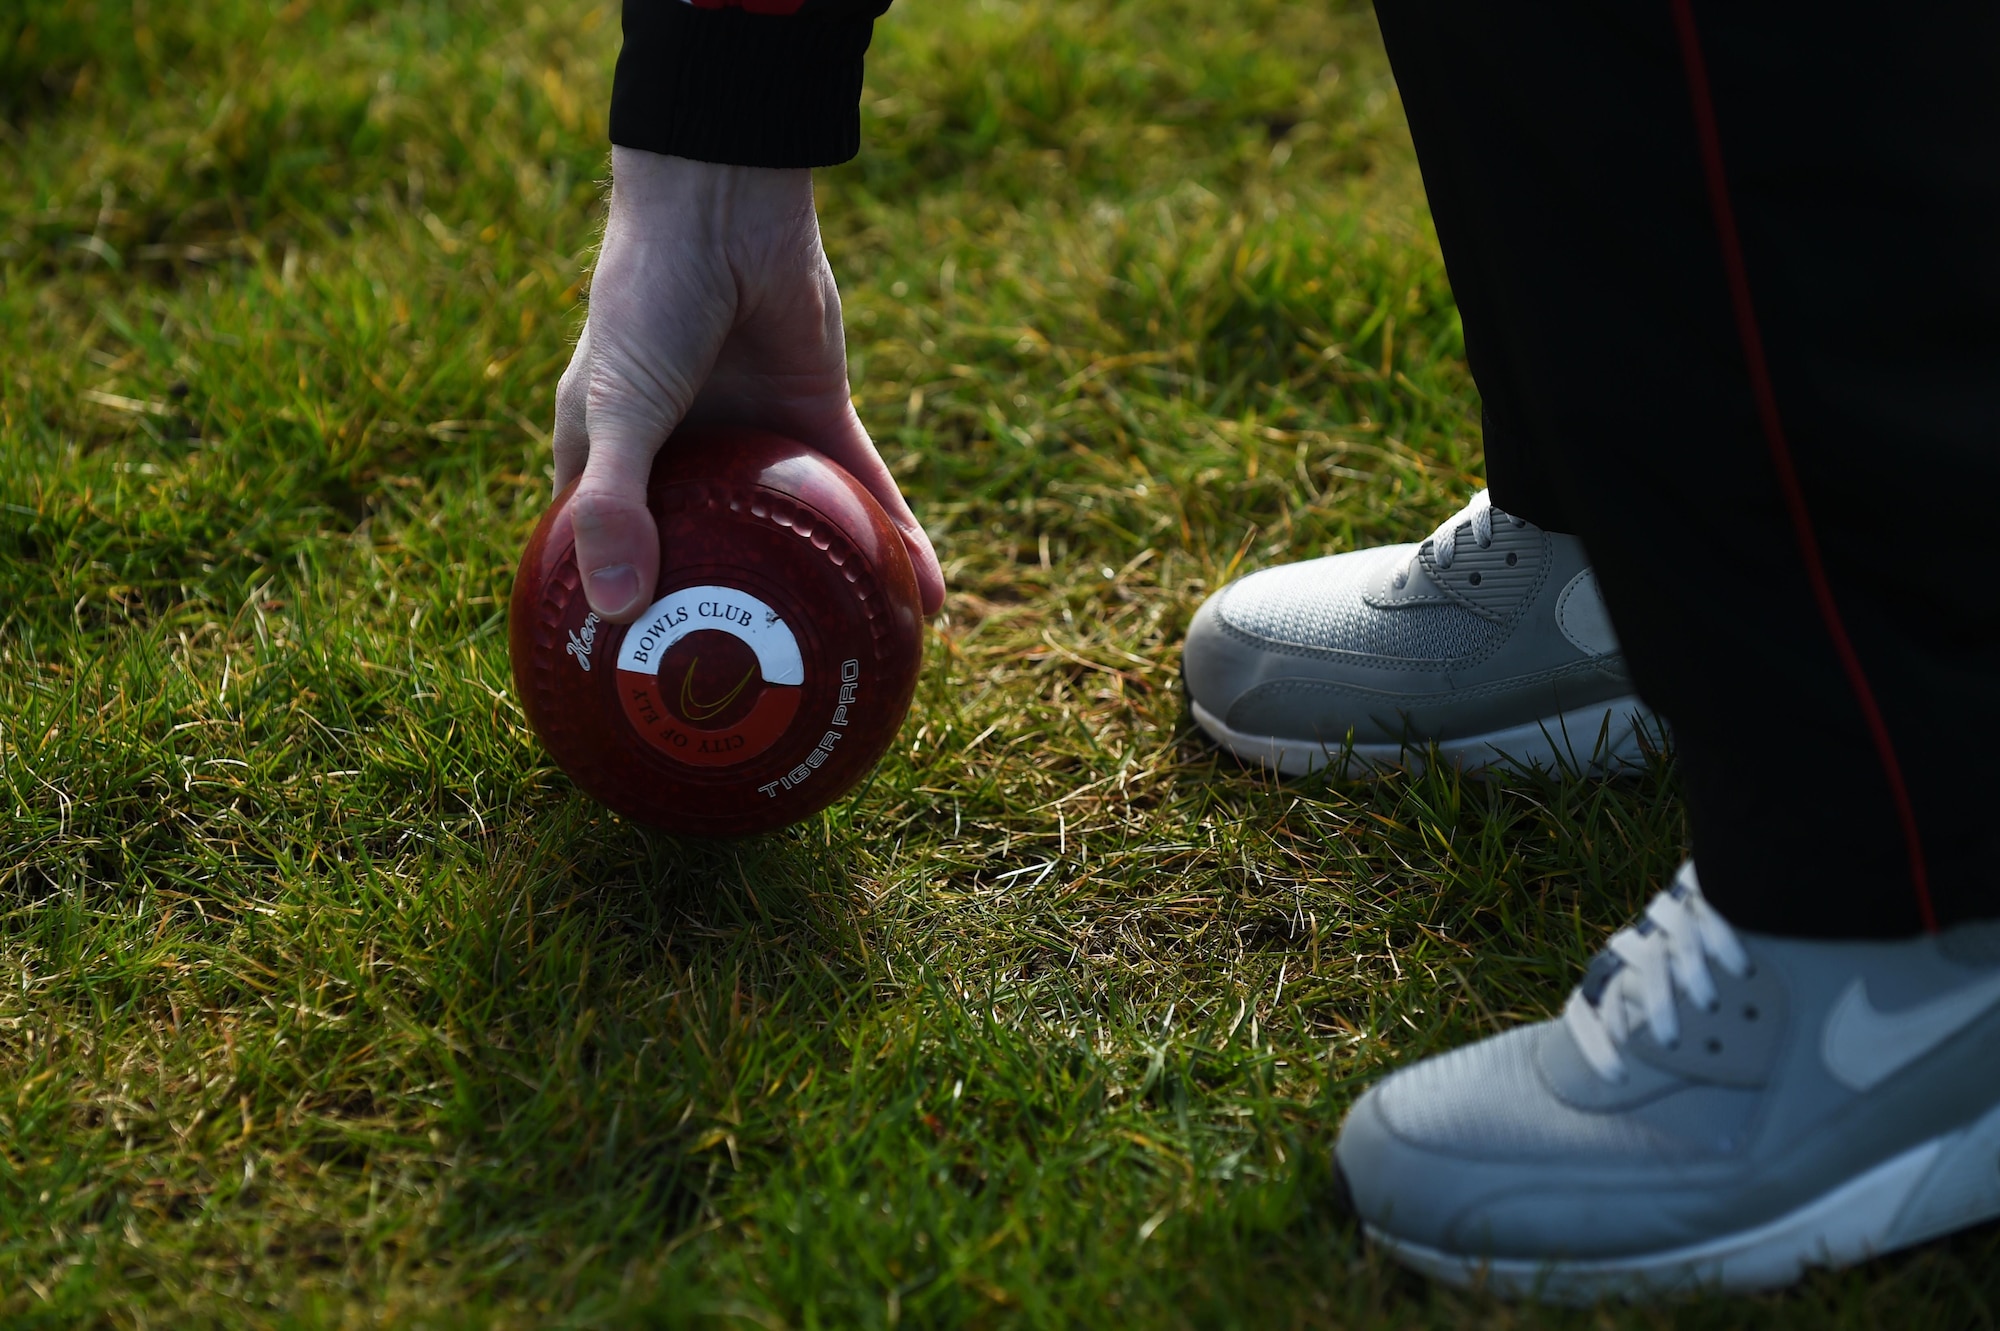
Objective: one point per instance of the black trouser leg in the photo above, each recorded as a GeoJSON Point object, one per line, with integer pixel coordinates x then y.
{"type": "Point", "coordinates": [1860, 165]}
{"type": "Point", "coordinates": [1524, 481]}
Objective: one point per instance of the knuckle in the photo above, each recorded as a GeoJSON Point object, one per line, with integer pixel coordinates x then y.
{"type": "Point", "coordinates": [596, 513]}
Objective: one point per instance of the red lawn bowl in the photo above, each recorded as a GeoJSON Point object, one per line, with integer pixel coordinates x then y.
{"type": "Point", "coordinates": [774, 666]}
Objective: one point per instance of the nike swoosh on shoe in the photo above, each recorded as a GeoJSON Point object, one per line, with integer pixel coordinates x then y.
{"type": "Point", "coordinates": [1863, 1045]}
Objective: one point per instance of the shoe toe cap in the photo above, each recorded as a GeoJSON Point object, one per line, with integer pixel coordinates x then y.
{"type": "Point", "coordinates": [1472, 1154]}
{"type": "Point", "coordinates": [1433, 1151]}
{"type": "Point", "coordinates": [1218, 666]}
{"type": "Point", "coordinates": [1265, 626]}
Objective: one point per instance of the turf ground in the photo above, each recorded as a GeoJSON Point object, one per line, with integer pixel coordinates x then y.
{"type": "Point", "coordinates": [324, 1001]}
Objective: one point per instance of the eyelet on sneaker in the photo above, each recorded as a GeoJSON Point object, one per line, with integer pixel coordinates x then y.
{"type": "Point", "coordinates": [1512, 559]}
{"type": "Point", "coordinates": [1749, 1012]}
{"type": "Point", "coordinates": [1714, 1045]}
{"type": "Point", "coordinates": [1473, 579]}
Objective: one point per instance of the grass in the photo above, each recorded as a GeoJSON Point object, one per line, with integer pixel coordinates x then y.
{"type": "Point", "coordinates": [327, 1002]}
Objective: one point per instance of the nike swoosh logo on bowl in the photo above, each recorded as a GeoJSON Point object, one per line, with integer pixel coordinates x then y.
{"type": "Point", "coordinates": [1862, 1044]}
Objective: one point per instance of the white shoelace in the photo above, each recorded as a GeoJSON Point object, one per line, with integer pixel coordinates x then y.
{"type": "Point", "coordinates": [1444, 541]}
{"type": "Point", "coordinates": [1634, 979]}
{"type": "Point", "coordinates": [1480, 512]}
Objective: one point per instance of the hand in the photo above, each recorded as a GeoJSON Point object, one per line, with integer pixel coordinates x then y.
{"type": "Point", "coordinates": [712, 302]}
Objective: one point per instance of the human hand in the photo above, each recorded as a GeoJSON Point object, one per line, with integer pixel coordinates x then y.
{"type": "Point", "coordinates": [712, 302]}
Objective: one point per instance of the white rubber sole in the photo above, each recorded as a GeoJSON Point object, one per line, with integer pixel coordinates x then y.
{"type": "Point", "coordinates": [1603, 737]}
{"type": "Point", "coordinates": [1930, 1190]}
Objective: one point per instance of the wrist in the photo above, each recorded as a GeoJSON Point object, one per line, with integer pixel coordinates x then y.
{"type": "Point", "coordinates": [730, 200]}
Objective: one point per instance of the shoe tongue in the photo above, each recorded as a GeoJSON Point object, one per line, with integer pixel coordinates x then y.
{"type": "Point", "coordinates": [1568, 1073]}
{"type": "Point", "coordinates": [1406, 581]}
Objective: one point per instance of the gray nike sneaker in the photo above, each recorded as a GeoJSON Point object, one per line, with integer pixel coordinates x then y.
{"type": "Point", "coordinates": [1713, 1109]}
{"type": "Point", "coordinates": [1489, 640]}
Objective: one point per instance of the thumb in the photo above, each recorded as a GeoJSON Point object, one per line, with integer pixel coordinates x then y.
{"type": "Point", "coordinates": [617, 541]}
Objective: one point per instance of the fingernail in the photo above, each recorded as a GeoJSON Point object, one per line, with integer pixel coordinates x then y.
{"type": "Point", "coordinates": [613, 589]}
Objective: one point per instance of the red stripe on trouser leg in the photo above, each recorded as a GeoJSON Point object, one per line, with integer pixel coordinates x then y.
{"type": "Point", "coordinates": [1781, 453]}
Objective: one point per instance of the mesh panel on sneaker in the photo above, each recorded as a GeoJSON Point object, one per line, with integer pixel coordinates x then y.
{"type": "Point", "coordinates": [1320, 604]}
{"type": "Point", "coordinates": [1488, 1098]}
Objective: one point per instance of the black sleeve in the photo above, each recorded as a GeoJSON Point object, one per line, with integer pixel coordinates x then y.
{"type": "Point", "coordinates": [773, 83]}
